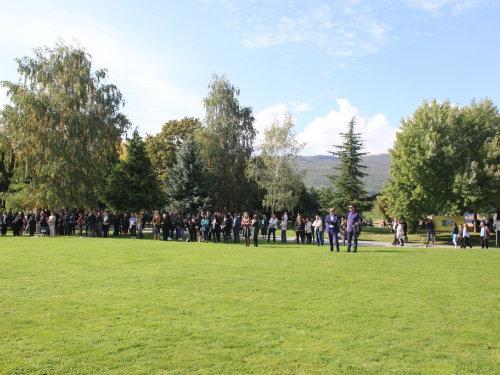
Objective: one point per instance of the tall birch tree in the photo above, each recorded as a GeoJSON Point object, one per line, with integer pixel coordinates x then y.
{"type": "Point", "coordinates": [275, 169]}
{"type": "Point", "coordinates": [64, 127]}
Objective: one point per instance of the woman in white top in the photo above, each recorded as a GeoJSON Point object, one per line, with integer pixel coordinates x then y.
{"type": "Point", "coordinates": [466, 236]}
{"type": "Point", "coordinates": [400, 233]}
{"type": "Point", "coordinates": [52, 224]}
{"type": "Point", "coordinates": [318, 228]}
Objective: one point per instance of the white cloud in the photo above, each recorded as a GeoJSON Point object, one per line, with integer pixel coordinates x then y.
{"type": "Point", "coordinates": [324, 132]}
{"type": "Point", "coordinates": [335, 28]}
{"type": "Point", "coordinates": [150, 98]}
{"type": "Point", "coordinates": [434, 7]}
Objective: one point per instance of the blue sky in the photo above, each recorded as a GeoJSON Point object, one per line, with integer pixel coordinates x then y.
{"type": "Point", "coordinates": [323, 62]}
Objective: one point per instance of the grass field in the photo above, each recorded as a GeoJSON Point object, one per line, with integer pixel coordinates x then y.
{"type": "Point", "coordinates": [122, 306]}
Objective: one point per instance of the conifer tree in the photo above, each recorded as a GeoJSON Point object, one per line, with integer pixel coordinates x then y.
{"type": "Point", "coordinates": [347, 183]}
{"type": "Point", "coordinates": [133, 184]}
{"type": "Point", "coordinates": [188, 185]}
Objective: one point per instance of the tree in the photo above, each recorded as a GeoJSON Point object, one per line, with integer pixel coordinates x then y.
{"type": "Point", "coordinates": [188, 185]}
{"type": "Point", "coordinates": [226, 144]}
{"type": "Point", "coordinates": [347, 184]}
{"type": "Point", "coordinates": [163, 147]}
{"type": "Point", "coordinates": [276, 170]}
{"type": "Point", "coordinates": [64, 127]}
{"type": "Point", "coordinates": [133, 184]}
{"type": "Point", "coordinates": [444, 161]}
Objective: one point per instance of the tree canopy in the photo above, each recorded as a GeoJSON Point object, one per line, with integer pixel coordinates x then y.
{"type": "Point", "coordinates": [226, 144]}
{"type": "Point", "coordinates": [275, 169]}
{"type": "Point", "coordinates": [133, 184]}
{"type": "Point", "coordinates": [163, 147]}
{"type": "Point", "coordinates": [444, 160]}
{"type": "Point", "coordinates": [64, 127]}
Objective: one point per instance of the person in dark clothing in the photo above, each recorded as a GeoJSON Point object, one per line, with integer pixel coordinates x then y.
{"type": "Point", "coordinates": [67, 223]}
{"type": "Point", "coordinates": [255, 231]}
{"type": "Point", "coordinates": [116, 224]}
{"type": "Point", "coordinates": [72, 222]}
{"type": "Point", "coordinates": [17, 225]}
{"type": "Point", "coordinates": [165, 226]}
{"type": "Point", "coordinates": [31, 223]}
{"type": "Point", "coordinates": [299, 230]}
{"type": "Point", "coordinates": [92, 224]}
{"type": "Point", "coordinates": [226, 228]}
{"type": "Point", "coordinates": [236, 227]}
{"type": "Point", "coordinates": [192, 229]}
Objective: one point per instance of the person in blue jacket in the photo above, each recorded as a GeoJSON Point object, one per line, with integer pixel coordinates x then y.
{"type": "Point", "coordinates": [332, 228]}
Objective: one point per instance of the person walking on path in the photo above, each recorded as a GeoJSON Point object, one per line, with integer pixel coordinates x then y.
{"type": "Point", "coordinates": [466, 236]}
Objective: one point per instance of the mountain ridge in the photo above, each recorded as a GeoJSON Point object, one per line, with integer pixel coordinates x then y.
{"type": "Point", "coordinates": [319, 166]}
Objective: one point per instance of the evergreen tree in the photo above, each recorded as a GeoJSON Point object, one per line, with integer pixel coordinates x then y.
{"type": "Point", "coordinates": [347, 183]}
{"type": "Point", "coordinates": [163, 147]}
{"type": "Point", "coordinates": [188, 185]}
{"type": "Point", "coordinates": [133, 184]}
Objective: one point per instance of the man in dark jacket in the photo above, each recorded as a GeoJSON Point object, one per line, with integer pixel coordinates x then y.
{"type": "Point", "coordinates": [236, 227]}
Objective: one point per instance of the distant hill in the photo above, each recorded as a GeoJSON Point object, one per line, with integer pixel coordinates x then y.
{"type": "Point", "coordinates": [319, 166]}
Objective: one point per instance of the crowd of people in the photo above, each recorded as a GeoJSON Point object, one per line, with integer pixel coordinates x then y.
{"type": "Point", "coordinates": [201, 227]}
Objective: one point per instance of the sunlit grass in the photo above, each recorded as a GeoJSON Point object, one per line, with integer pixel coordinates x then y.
{"type": "Point", "coordinates": [122, 306]}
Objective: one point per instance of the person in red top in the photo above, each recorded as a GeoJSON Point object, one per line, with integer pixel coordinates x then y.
{"type": "Point", "coordinates": [79, 222]}
{"type": "Point", "coordinates": [245, 224]}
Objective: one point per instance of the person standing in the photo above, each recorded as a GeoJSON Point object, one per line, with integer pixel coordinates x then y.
{"type": "Point", "coordinates": [255, 230]}
{"type": "Point", "coordinates": [264, 227]}
{"type": "Point", "coordinates": [430, 231]}
{"type": "Point", "coordinates": [308, 229]}
{"type": "Point", "coordinates": [236, 228]}
{"type": "Point", "coordinates": [44, 227]}
{"type": "Point", "coordinates": [485, 235]}
{"type": "Point", "coordinates": [273, 225]}
{"type": "Point", "coordinates": [318, 228]}
{"type": "Point", "coordinates": [79, 222]}
{"type": "Point", "coordinates": [5, 223]}
{"type": "Point", "coordinates": [454, 235]}
{"type": "Point", "coordinates": [156, 225]}
{"type": "Point", "coordinates": [52, 224]}
{"type": "Point", "coordinates": [133, 225]}
{"type": "Point", "coordinates": [284, 227]}
{"type": "Point", "coordinates": [245, 224]}
{"type": "Point", "coordinates": [332, 227]}
{"type": "Point", "coordinates": [226, 228]}
{"type": "Point", "coordinates": [352, 218]}
{"type": "Point", "coordinates": [299, 230]}
{"type": "Point", "coordinates": [141, 222]}
{"type": "Point", "coordinates": [92, 224]}
{"type": "Point", "coordinates": [67, 223]}
{"type": "Point", "coordinates": [32, 223]}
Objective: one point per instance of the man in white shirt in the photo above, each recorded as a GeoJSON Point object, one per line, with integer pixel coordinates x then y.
{"type": "Point", "coordinates": [273, 224]}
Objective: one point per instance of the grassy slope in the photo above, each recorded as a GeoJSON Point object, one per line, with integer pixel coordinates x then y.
{"type": "Point", "coordinates": [71, 305]}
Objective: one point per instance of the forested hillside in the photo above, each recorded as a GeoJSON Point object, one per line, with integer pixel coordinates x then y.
{"type": "Point", "coordinates": [319, 166]}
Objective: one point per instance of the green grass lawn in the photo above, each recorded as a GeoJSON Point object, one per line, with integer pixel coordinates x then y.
{"type": "Point", "coordinates": [122, 306]}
